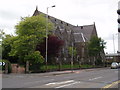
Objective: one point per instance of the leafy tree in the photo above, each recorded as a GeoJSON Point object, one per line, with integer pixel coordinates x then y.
{"type": "Point", "coordinates": [35, 60]}
{"type": "Point", "coordinates": [72, 50]}
{"type": "Point", "coordinates": [7, 41]}
{"type": "Point", "coordinates": [54, 47]}
{"type": "Point", "coordinates": [23, 46]}
{"type": "Point", "coordinates": [35, 25]}
{"type": "Point", "coordinates": [95, 46]}
{"type": "Point", "coordinates": [30, 31]}
{"type": "Point", "coordinates": [1, 34]}
{"type": "Point", "coordinates": [0, 51]}
{"type": "Point", "coordinates": [35, 57]}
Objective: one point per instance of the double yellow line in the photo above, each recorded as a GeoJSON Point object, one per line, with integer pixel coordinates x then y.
{"type": "Point", "coordinates": [110, 85]}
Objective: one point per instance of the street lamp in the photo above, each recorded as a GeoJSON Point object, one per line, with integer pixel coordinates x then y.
{"type": "Point", "coordinates": [72, 57]}
{"type": "Point", "coordinates": [47, 35]}
{"type": "Point", "coordinates": [113, 44]}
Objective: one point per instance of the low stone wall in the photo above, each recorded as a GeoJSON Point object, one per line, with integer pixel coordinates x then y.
{"type": "Point", "coordinates": [17, 69]}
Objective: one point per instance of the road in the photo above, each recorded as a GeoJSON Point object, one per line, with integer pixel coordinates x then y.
{"type": "Point", "coordinates": [87, 78]}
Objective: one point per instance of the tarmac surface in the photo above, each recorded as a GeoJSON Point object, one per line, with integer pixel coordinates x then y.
{"type": "Point", "coordinates": [85, 78]}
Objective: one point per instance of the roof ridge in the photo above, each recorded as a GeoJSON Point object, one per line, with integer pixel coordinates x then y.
{"type": "Point", "coordinates": [57, 18]}
{"type": "Point", "coordinates": [62, 20]}
{"type": "Point", "coordinates": [86, 25]}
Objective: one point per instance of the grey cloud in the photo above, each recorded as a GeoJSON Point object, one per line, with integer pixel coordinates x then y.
{"type": "Point", "coordinates": [9, 15]}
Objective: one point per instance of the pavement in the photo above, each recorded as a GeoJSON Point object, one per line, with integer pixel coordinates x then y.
{"type": "Point", "coordinates": [53, 73]}
{"type": "Point", "coordinates": [40, 74]}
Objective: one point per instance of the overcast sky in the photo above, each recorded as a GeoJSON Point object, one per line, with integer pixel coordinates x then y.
{"type": "Point", "coordinates": [76, 12]}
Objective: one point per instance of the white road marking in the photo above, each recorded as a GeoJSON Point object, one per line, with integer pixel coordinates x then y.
{"type": "Point", "coordinates": [67, 85]}
{"type": "Point", "coordinates": [95, 78]}
{"type": "Point", "coordinates": [64, 82]}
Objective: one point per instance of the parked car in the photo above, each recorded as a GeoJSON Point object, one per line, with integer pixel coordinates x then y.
{"type": "Point", "coordinates": [119, 64]}
{"type": "Point", "coordinates": [114, 65]}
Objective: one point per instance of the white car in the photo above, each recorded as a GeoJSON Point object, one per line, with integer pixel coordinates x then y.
{"type": "Point", "coordinates": [114, 65]}
{"type": "Point", "coordinates": [119, 64]}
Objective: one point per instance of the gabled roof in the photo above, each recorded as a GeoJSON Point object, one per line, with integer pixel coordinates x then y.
{"type": "Point", "coordinates": [79, 32]}
{"type": "Point", "coordinates": [86, 30]}
{"type": "Point", "coordinates": [77, 37]}
{"type": "Point", "coordinates": [53, 19]}
{"type": "Point", "coordinates": [36, 12]}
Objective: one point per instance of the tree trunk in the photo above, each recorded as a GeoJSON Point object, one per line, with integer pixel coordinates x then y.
{"type": "Point", "coordinates": [27, 66]}
{"type": "Point", "coordinates": [94, 61]}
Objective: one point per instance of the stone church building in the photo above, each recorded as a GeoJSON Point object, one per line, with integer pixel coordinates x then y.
{"type": "Point", "coordinates": [76, 36]}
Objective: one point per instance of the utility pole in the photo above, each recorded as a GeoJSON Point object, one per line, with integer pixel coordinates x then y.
{"type": "Point", "coordinates": [72, 57]}
{"type": "Point", "coordinates": [46, 57]}
{"type": "Point", "coordinates": [113, 44]}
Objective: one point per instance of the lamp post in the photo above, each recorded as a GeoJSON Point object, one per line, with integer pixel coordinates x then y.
{"type": "Point", "coordinates": [46, 58]}
{"type": "Point", "coordinates": [113, 44]}
{"type": "Point", "coordinates": [72, 57]}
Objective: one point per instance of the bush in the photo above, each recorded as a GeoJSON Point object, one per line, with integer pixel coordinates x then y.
{"type": "Point", "coordinates": [9, 66]}
{"type": "Point", "coordinates": [99, 62]}
{"type": "Point", "coordinates": [35, 67]}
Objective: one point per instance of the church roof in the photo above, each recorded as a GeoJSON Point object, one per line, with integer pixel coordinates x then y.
{"type": "Point", "coordinates": [36, 12]}
{"type": "Point", "coordinates": [86, 31]}
{"type": "Point", "coordinates": [80, 33]}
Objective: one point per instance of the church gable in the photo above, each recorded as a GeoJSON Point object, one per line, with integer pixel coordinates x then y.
{"type": "Point", "coordinates": [36, 12]}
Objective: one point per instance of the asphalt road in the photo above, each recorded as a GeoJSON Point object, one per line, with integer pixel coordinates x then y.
{"type": "Point", "coordinates": [88, 78]}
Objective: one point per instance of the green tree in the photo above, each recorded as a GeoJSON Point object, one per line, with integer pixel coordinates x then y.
{"type": "Point", "coordinates": [7, 41]}
{"type": "Point", "coordinates": [72, 51]}
{"type": "Point", "coordinates": [0, 51]}
{"type": "Point", "coordinates": [1, 34]}
{"type": "Point", "coordinates": [95, 46]}
{"type": "Point", "coordinates": [30, 31]}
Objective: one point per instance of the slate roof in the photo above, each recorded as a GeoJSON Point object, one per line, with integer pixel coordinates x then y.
{"type": "Point", "coordinates": [85, 30]}
{"type": "Point", "coordinates": [77, 31]}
